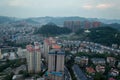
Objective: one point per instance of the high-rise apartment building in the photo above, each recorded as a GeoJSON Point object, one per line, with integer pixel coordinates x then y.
{"type": "Point", "coordinates": [87, 25]}
{"type": "Point", "coordinates": [46, 49]}
{"type": "Point", "coordinates": [33, 58]}
{"type": "Point", "coordinates": [96, 24]}
{"type": "Point", "coordinates": [56, 64]}
{"type": "Point", "coordinates": [47, 46]}
{"type": "Point", "coordinates": [0, 54]}
{"type": "Point", "coordinates": [73, 25]}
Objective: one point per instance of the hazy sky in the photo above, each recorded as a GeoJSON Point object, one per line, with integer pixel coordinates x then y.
{"type": "Point", "coordinates": [109, 9]}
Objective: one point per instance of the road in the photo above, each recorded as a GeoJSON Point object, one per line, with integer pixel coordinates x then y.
{"type": "Point", "coordinates": [67, 74]}
{"type": "Point", "coordinates": [78, 73]}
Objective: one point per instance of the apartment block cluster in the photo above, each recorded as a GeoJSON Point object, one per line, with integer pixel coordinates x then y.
{"type": "Point", "coordinates": [53, 57]}
{"type": "Point", "coordinates": [75, 25]}
{"type": "Point", "coordinates": [39, 57]}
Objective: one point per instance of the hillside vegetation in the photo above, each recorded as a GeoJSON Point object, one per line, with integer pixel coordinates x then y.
{"type": "Point", "coordinates": [52, 30]}
{"type": "Point", "coordinates": [103, 35]}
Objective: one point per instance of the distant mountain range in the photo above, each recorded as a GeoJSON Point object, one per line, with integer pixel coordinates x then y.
{"type": "Point", "coordinates": [57, 20]}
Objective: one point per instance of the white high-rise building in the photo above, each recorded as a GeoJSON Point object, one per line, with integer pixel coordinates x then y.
{"type": "Point", "coordinates": [47, 47]}
{"type": "Point", "coordinates": [0, 54]}
{"type": "Point", "coordinates": [34, 58]}
{"type": "Point", "coordinates": [56, 65]}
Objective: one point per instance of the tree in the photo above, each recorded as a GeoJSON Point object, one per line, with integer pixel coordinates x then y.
{"type": "Point", "coordinates": [9, 76]}
{"type": "Point", "coordinates": [52, 30]}
{"type": "Point", "coordinates": [21, 72]}
{"type": "Point", "coordinates": [25, 74]}
{"type": "Point", "coordinates": [99, 76]}
{"type": "Point", "coordinates": [104, 35]}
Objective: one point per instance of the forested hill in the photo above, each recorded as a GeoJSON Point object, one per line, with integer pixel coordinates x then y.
{"type": "Point", "coordinates": [104, 35]}
{"type": "Point", "coordinates": [52, 30]}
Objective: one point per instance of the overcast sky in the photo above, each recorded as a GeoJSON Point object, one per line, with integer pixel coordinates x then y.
{"type": "Point", "coordinates": [109, 9]}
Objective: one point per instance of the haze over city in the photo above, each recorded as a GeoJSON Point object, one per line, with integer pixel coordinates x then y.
{"type": "Point", "coordinates": [58, 8]}
{"type": "Point", "coordinates": [59, 40]}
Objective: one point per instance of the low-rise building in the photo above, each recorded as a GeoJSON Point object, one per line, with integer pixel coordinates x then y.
{"type": "Point", "coordinates": [90, 70]}
{"type": "Point", "coordinates": [118, 64]}
{"type": "Point", "coordinates": [111, 61]}
{"type": "Point", "coordinates": [77, 60]}
{"type": "Point", "coordinates": [17, 77]}
{"type": "Point", "coordinates": [83, 60]}
{"type": "Point", "coordinates": [98, 61]}
{"type": "Point", "coordinates": [100, 68]}
{"type": "Point", "coordinates": [114, 72]}
{"type": "Point", "coordinates": [22, 53]}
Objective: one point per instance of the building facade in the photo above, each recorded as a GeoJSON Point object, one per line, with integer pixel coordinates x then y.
{"type": "Point", "coordinates": [73, 25]}
{"type": "Point", "coordinates": [0, 54]}
{"type": "Point", "coordinates": [33, 58]}
{"type": "Point", "coordinates": [56, 65]}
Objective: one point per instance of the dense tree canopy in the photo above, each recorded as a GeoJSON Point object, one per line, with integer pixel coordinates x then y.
{"type": "Point", "coordinates": [52, 30]}
{"type": "Point", "coordinates": [103, 35]}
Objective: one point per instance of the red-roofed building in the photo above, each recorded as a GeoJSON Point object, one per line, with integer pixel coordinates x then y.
{"type": "Point", "coordinates": [55, 46]}
{"type": "Point", "coordinates": [90, 70]}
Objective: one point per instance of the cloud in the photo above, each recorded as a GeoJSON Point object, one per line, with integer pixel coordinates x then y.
{"type": "Point", "coordinates": [104, 6]}
{"type": "Point", "coordinates": [40, 4]}
{"type": "Point", "coordinates": [87, 6]}
{"type": "Point", "coordinates": [17, 3]}
{"type": "Point", "coordinates": [99, 6]}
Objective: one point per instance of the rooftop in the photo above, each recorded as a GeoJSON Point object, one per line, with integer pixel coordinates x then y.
{"type": "Point", "coordinates": [55, 46]}
{"type": "Point", "coordinates": [98, 59]}
{"type": "Point", "coordinates": [57, 52]}
{"type": "Point", "coordinates": [90, 70]}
